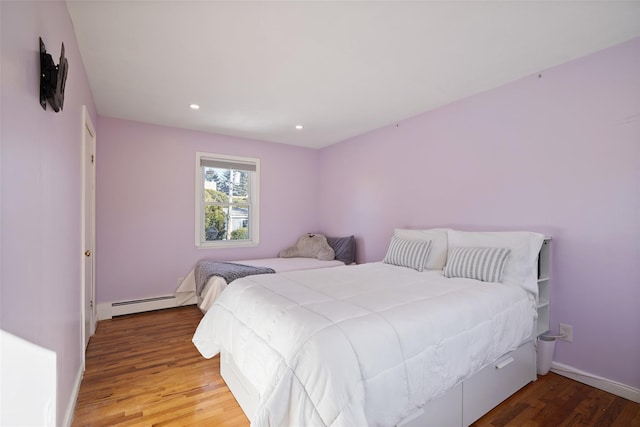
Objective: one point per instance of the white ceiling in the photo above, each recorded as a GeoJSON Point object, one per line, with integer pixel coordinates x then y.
{"type": "Point", "coordinates": [257, 69]}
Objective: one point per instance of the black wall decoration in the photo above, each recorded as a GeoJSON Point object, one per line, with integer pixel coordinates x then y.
{"type": "Point", "coordinates": [52, 79]}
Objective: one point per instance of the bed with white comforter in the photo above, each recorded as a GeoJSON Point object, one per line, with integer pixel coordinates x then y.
{"type": "Point", "coordinates": [360, 345]}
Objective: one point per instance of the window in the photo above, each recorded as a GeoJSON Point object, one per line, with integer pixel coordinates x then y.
{"type": "Point", "coordinates": [227, 199]}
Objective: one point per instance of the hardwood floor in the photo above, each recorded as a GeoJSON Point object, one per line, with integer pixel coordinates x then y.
{"type": "Point", "coordinates": [555, 401]}
{"type": "Point", "coordinates": [143, 370]}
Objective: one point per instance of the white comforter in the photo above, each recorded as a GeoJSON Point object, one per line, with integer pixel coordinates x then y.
{"type": "Point", "coordinates": [361, 345]}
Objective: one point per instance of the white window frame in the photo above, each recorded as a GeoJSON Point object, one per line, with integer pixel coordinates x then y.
{"type": "Point", "coordinates": [254, 207]}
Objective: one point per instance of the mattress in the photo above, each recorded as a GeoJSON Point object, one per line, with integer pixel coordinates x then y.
{"type": "Point", "coordinates": [361, 345]}
{"type": "Point", "coordinates": [186, 292]}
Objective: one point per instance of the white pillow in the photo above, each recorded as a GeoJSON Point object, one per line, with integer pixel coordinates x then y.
{"type": "Point", "coordinates": [521, 266]}
{"type": "Point", "coordinates": [484, 264]}
{"type": "Point", "coordinates": [407, 253]}
{"type": "Point", "coordinates": [438, 237]}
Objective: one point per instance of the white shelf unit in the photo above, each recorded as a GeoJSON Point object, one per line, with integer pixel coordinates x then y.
{"type": "Point", "coordinates": [544, 283]}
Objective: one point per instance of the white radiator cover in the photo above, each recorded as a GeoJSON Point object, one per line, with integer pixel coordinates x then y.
{"type": "Point", "coordinates": [112, 309]}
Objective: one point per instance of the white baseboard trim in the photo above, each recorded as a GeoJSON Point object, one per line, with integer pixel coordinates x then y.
{"type": "Point", "coordinates": [596, 381]}
{"type": "Point", "coordinates": [71, 407]}
{"type": "Point", "coordinates": [107, 310]}
{"type": "Point", "coordinates": [104, 311]}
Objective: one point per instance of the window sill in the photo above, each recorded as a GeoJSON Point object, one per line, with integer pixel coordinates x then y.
{"type": "Point", "coordinates": [227, 244]}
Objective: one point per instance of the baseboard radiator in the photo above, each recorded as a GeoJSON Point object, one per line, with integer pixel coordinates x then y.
{"type": "Point", "coordinates": [109, 310]}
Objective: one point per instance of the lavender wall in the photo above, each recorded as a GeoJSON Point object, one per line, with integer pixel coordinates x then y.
{"type": "Point", "coordinates": [41, 189]}
{"type": "Point", "coordinates": [146, 196]}
{"type": "Point", "coordinates": [557, 153]}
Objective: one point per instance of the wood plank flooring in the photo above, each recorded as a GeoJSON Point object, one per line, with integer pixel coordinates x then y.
{"type": "Point", "coordinates": [143, 370]}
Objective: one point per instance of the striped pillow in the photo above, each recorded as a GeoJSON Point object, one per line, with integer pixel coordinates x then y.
{"type": "Point", "coordinates": [485, 264]}
{"type": "Point", "coordinates": [408, 253]}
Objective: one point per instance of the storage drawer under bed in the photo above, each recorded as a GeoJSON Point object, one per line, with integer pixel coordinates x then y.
{"type": "Point", "coordinates": [470, 400]}
{"type": "Point", "coordinates": [497, 381]}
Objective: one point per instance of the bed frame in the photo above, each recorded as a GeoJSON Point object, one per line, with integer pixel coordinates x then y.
{"type": "Point", "coordinates": [460, 406]}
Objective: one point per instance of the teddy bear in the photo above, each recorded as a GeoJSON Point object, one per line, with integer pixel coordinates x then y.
{"type": "Point", "coordinates": [310, 246]}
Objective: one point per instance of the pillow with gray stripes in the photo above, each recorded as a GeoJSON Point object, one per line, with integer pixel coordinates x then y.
{"type": "Point", "coordinates": [484, 264]}
{"type": "Point", "coordinates": [408, 253]}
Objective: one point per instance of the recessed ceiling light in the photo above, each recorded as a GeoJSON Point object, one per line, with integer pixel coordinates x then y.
{"type": "Point", "coordinates": [298, 127]}
{"type": "Point", "coordinates": [194, 106]}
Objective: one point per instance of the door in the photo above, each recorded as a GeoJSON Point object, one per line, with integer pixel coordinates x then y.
{"type": "Point", "coordinates": [88, 184]}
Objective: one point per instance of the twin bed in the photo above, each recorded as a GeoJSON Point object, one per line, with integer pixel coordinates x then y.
{"type": "Point", "coordinates": [438, 333]}
{"type": "Point", "coordinates": [214, 285]}
{"type": "Point", "coordinates": [203, 284]}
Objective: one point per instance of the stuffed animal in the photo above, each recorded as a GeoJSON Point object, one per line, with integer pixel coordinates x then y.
{"type": "Point", "coordinates": [310, 246]}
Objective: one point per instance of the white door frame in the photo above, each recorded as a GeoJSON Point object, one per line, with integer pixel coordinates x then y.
{"type": "Point", "coordinates": [88, 176]}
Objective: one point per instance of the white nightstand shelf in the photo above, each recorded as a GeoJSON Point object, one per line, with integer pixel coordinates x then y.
{"type": "Point", "coordinates": [544, 282]}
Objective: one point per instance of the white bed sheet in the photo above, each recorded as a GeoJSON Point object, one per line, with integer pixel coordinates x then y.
{"type": "Point", "coordinates": [364, 345]}
{"type": "Point", "coordinates": [186, 292]}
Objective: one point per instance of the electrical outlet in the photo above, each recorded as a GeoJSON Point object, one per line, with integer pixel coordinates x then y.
{"type": "Point", "coordinates": [567, 331]}
{"type": "Point", "coordinates": [180, 279]}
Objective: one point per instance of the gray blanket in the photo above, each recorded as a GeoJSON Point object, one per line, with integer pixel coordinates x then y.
{"type": "Point", "coordinates": [205, 268]}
